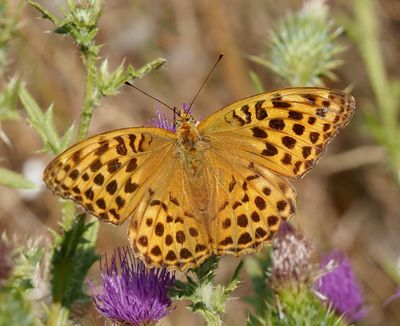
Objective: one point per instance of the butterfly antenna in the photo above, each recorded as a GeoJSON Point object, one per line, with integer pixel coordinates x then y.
{"type": "Point", "coordinates": [205, 80]}
{"type": "Point", "coordinates": [152, 97]}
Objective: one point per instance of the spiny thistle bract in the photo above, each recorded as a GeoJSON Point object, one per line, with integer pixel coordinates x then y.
{"type": "Point", "coordinates": [303, 48]}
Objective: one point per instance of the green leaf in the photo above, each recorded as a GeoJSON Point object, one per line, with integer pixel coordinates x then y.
{"type": "Point", "coordinates": [63, 29]}
{"type": "Point", "coordinates": [8, 101]}
{"type": "Point", "coordinates": [45, 13]}
{"type": "Point", "coordinates": [205, 273]}
{"type": "Point", "coordinates": [145, 69]}
{"type": "Point", "coordinates": [26, 261]}
{"type": "Point", "coordinates": [71, 261]}
{"type": "Point", "coordinates": [42, 122]}
{"type": "Point", "coordinates": [256, 82]}
{"type": "Point", "coordinates": [259, 271]}
{"type": "Point", "coordinates": [12, 179]}
{"type": "Point", "coordinates": [235, 280]}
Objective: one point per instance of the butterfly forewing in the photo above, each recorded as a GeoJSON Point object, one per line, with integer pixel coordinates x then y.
{"type": "Point", "coordinates": [285, 131]}
{"type": "Point", "coordinates": [108, 174]}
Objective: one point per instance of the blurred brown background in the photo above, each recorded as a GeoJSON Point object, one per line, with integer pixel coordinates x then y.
{"type": "Point", "coordinates": [348, 202]}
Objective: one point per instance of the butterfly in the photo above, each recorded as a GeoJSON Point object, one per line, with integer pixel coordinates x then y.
{"type": "Point", "coordinates": [219, 187]}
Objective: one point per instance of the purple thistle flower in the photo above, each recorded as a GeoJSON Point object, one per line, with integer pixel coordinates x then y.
{"type": "Point", "coordinates": [135, 295]}
{"type": "Point", "coordinates": [161, 121]}
{"type": "Point", "coordinates": [340, 288]}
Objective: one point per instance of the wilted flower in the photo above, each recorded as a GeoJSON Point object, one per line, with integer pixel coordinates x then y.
{"type": "Point", "coordinates": [291, 253]}
{"type": "Point", "coordinates": [340, 287]}
{"type": "Point", "coordinates": [133, 294]}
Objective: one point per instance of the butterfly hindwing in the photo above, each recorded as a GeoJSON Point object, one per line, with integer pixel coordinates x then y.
{"type": "Point", "coordinates": [166, 228]}
{"type": "Point", "coordinates": [252, 203]}
{"type": "Point", "coordinates": [285, 130]}
{"type": "Point", "coordinates": [108, 174]}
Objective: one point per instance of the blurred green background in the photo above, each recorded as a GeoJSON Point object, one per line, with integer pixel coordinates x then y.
{"type": "Point", "coordinates": [350, 201]}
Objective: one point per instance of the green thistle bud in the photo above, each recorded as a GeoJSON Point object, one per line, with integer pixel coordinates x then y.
{"type": "Point", "coordinates": [303, 48]}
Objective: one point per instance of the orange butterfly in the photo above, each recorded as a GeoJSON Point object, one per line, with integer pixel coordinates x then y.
{"type": "Point", "coordinates": [217, 187]}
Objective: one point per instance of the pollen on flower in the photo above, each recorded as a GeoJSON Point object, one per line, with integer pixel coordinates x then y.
{"type": "Point", "coordinates": [132, 293]}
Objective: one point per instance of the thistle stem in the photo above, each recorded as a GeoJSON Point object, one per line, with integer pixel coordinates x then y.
{"type": "Point", "coordinates": [91, 93]}
{"type": "Point", "coordinates": [368, 41]}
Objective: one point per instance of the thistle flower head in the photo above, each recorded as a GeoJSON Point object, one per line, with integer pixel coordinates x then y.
{"type": "Point", "coordinates": [291, 253]}
{"type": "Point", "coordinates": [161, 121]}
{"type": "Point", "coordinates": [133, 294]}
{"type": "Point", "coordinates": [340, 288]}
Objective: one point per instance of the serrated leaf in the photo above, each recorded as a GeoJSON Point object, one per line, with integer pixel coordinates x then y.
{"type": "Point", "coordinates": [235, 278]}
{"type": "Point", "coordinates": [45, 13]}
{"type": "Point", "coordinates": [51, 130]}
{"type": "Point", "coordinates": [41, 122]}
{"type": "Point", "coordinates": [145, 69]}
{"type": "Point", "coordinates": [13, 179]}
{"type": "Point", "coordinates": [8, 100]}
{"type": "Point", "coordinates": [63, 29]}
{"type": "Point", "coordinates": [205, 273]}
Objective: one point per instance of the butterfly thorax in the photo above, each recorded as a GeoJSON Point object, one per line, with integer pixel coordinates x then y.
{"type": "Point", "coordinates": [190, 148]}
{"type": "Point", "coordinates": [190, 143]}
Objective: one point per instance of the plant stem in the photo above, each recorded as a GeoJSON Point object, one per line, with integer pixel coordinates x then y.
{"type": "Point", "coordinates": [91, 93]}
{"type": "Point", "coordinates": [89, 103]}
{"type": "Point", "coordinates": [370, 51]}
{"type": "Point", "coordinates": [68, 213]}
{"type": "Point", "coordinates": [368, 41]}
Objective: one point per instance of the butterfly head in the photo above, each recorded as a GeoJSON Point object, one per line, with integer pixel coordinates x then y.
{"type": "Point", "coordinates": [184, 120]}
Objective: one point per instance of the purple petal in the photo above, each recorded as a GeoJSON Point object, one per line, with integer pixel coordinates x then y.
{"type": "Point", "coordinates": [340, 287]}
{"type": "Point", "coordinates": [161, 120]}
